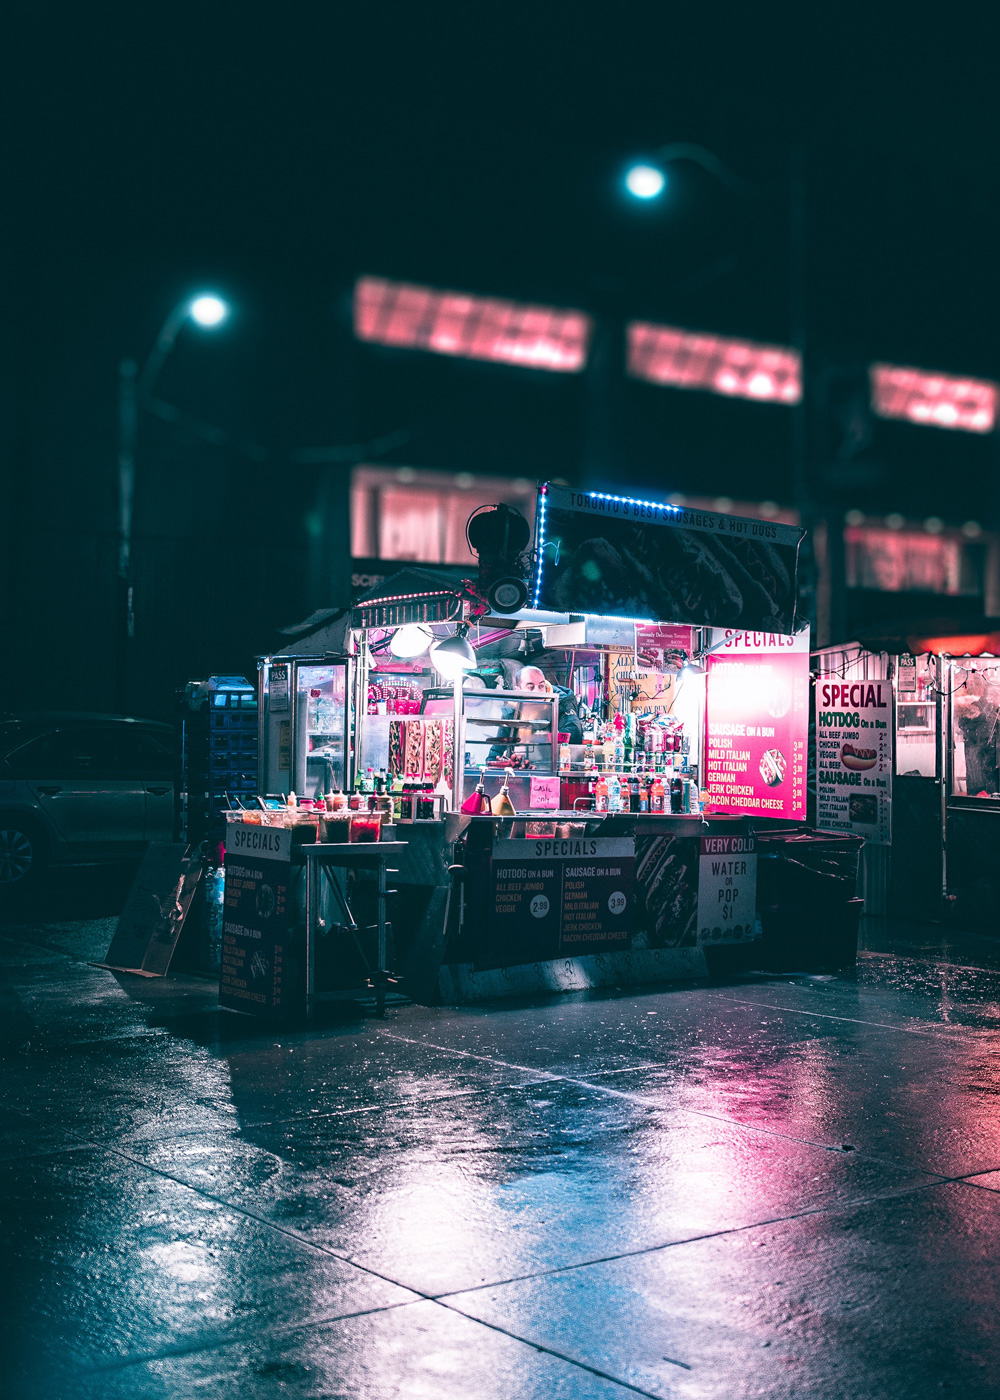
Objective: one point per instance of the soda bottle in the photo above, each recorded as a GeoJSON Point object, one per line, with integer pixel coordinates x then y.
{"type": "Point", "coordinates": [677, 794]}
{"type": "Point", "coordinates": [643, 796]}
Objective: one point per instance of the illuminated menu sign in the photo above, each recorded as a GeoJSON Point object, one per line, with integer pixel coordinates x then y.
{"type": "Point", "coordinates": [854, 757]}
{"type": "Point", "coordinates": [757, 723]}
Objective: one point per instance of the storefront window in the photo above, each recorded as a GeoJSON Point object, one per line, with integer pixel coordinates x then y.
{"type": "Point", "coordinates": [974, 685]}
{"type": "Point", "coordinates": [916, 717]}
{"type": "Point", "coordinates": [398, 513]}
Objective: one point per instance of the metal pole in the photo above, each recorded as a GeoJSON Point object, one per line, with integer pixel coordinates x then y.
{"type": "Point", "coordinates": [125, 616]}
{"type": "Point", "coordinates": [134, 389]}
{"type": "Point", "coordinates": [458, 748]}
{"type": "Point", "coordinates": [802, 485]}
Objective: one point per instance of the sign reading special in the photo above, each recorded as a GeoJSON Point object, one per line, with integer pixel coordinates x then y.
{"type": "Point", "coordinates": [757, 723]}
{"type": "Point", "coordinates": [854, 757]}
{"type": "Point", "coordinates": [255, 975]}
{"type": "Point", "coordinates": [554, 897]}
{"type": "Point", "coordinates": [727, 889]}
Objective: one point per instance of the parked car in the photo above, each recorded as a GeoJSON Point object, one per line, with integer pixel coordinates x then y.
{"type": "Point", "coordinates": [80, 789]}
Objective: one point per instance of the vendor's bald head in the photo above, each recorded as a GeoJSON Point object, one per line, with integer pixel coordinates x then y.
{"type": "Point", "coordinates": [531, 678]}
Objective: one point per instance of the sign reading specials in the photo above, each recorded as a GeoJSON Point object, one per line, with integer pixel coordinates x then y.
{"type": "Point", "coordinates": [854, 757]}
{"type": "Point", "coordinates": [257, 972]}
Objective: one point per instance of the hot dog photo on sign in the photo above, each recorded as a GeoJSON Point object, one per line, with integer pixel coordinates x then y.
{"type": "Point", "coordinates": [858, 759]}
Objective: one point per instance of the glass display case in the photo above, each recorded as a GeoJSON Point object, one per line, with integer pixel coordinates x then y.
{"type": "Point", "coordinates": [917, 711]}
{"type": "Point", "coordinates": [511, 728]}
{"type": "Point", "coordinates": [304, 730]}
{"type": "Point", "coordinates": [973, 689]}
{"type": "Point", "coordinates": [321, 712]}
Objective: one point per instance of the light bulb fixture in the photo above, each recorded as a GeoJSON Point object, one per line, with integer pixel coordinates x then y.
{"type": "Point", "coordinates": [411, 640]}
{"type": "Point", "coordinates": [453, 655]}
{"type": "Point", "coordinates": [208, 310]}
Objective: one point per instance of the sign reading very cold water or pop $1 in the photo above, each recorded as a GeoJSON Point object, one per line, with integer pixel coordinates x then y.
{"type": "Point", "coordinates": [854, 757]}
{"type": "Point", "coordinates": [757, 723]}
{"type": "Point", "coordinates": [727, 889]}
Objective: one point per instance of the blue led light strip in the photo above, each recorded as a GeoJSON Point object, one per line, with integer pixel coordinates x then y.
{"type": "Point", "coordinates": [594, 496]}
{"type": "Point", "coordinates": [543, 501]}
{"type": "Point", "coordinates": [631, 501]}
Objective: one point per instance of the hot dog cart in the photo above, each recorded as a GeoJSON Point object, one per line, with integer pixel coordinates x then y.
{"type": "Point", "coordinates": [582, 785]}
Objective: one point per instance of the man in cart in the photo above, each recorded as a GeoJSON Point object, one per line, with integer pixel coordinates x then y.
{"type": "Point", "coordinates": [977, 720]}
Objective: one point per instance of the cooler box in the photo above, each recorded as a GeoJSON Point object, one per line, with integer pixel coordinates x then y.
{"type": "Point", "coordinates": [806, 898]}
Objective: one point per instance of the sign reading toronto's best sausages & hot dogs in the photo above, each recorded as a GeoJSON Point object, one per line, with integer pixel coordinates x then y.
{"type": "Point", "coordinates": [854, 757]}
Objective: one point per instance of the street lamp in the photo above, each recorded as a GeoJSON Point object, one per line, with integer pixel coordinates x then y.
{"type": "Point", "coordinates": [135, 387]}
{"type": "Point", "coordinates": [645, 181]}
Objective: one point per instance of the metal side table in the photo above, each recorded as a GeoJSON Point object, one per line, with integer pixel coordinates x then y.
{"type": "Point", "coordinates": [321, 859]}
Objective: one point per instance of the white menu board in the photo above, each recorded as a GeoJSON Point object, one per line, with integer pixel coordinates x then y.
{"type": "Point", "coordinates": [854, 731]}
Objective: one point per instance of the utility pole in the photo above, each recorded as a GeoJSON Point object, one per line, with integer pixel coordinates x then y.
{"type": "Point", "coordinates": [802, 475]}
{"type": "Point", "coordinates": [134, 390]}
{"type": "Point", "coordinates": [124, 614]}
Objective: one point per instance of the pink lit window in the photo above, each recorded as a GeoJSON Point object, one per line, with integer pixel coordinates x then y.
{"type": "Point", "coordinates": [476, 328]}
{"type": "Point", "coordinates": [943, 400]}
{"type": "Point", "coordinates": [692, 360]}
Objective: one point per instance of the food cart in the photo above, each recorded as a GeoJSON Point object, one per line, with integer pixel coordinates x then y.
{"type": "Point", "coordinates": [938, 857]}
{"type": "Point", "coordinates": [581, 783]}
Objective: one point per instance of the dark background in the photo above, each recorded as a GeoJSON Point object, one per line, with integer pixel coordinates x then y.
{"type": "Point", "coordinates": [273, 154]}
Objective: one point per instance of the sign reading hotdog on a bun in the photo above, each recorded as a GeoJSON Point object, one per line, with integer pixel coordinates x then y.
{"type": "Point", "coordinates": [854, 757]}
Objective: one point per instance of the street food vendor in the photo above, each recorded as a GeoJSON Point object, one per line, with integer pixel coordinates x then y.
{"type": "Point", "coordinates": [976, 719]}
{"type": "Point", "coordinates": [533, 678]}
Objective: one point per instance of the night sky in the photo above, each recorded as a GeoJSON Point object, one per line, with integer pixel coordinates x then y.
{"type": "Point", "coordinates": [277, 152]}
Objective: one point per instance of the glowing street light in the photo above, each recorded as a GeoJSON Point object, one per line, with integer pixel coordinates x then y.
{"type": "Point", "coordinates": [645, 181]}
{"type": "Point", "coordinates": [209, 311]}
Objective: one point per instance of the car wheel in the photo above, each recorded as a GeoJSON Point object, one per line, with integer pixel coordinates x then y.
{"type": "Point", "coordinates": [22, 854]}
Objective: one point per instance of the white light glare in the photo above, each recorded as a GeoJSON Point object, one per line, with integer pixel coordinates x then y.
{"type": "Point", "coordinates": [209, 310]}
{"type": "Point", "coordinates": [645, 181]}
{"type": "Point", "coordinates": [453, 656]}
{"type": "Point", "coordinates": [410, 640]}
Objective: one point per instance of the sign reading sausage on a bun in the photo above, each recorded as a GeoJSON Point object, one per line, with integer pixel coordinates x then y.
{"type": "Point", "coordinates": [854, 728]}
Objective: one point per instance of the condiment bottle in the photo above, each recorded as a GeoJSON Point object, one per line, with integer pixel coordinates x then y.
{"type": "Point", "coordinates": [601, 795]}
{"type": "Point", "coordinates": [502, 806]}
{"type": "Point", "coordinates": [477, 803]}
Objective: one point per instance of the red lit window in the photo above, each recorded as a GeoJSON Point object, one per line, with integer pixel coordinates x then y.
{"type": "Point", "coordinates": [900, 561]}
{"type": "Point", "coordinates": [403, 514]}
{"type": "Point", "coordinates": [944, 400]}
{"type": "Point", "coordinates": [692, 360]}
{"type": "Point", "coordinates": [477, 328]}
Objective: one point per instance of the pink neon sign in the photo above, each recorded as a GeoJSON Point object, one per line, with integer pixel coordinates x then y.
{"type": "Point", "coordinates": [475, 328]}
{"type": "Point", "coordinates": [694, 360]}
{"type": "Point", "coordinates": [943, 400]}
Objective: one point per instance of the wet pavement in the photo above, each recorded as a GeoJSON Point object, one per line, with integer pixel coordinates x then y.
{"type": "Point", "coordinates": [766, 1187]}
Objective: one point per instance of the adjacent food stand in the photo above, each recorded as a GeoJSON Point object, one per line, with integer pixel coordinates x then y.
{"type": "Point", "coordinates": [938, 754]}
